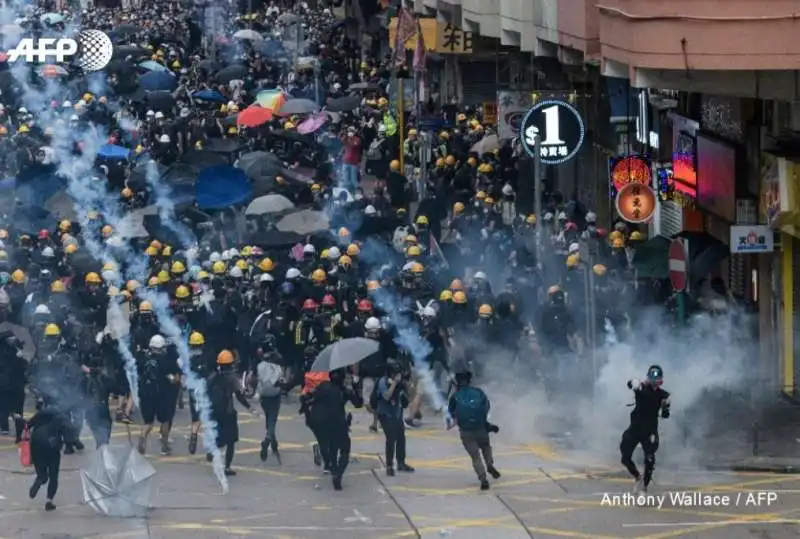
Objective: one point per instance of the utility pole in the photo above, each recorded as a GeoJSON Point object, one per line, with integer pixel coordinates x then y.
{"type": "Point", "coordinates": [537, 195]}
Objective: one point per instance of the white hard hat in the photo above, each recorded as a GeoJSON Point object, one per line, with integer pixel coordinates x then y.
{"type": "Point", "coordinates": [309, 249]}
{"type": "Point", "coordinates": [234, 252]}
{"type": "Point", "coordinates": [74, 118]}
{"type": "Point", "coordinates": [548, 216]}
{"type": "Point", "coordinates": [333, 253]}
{"type": "Point", "coordinates": [159, 115]}
{"type": "Point", "coordinates": [226, 255]}
{"type": "Point", "coordinates": [480, 276]}
{"type": "Point", "coordinates": [109, 276]}
{"type": "Point", "coordinates": [157, 342]}
{"type": "Point", "coordinates": [370, 210]}
{"type": "Point", "coordinates": [150, 113]}
{"type": "Point", "coordinates": [47, 252]}
{"type": "Point", "coordinates": [591, 217]}
{"type": "Point", "coordinates": [164, 139]}
{"type": "Point", "coordinates": [292, 273]}
{"type": "Point", "coordinates": [265, 278]}
{"type": "Point", "coordinates": [429, 312]}
{"type": "Point", "coordinates": [214, 257]}
{"type": "Point", "coordinates": [508, 190]}
{"type": "Point", "coordinates": [372, 323]}
{"type": "Point", "coordinates": [562, 216]}
{"type": "Point", "coordinates": [235, 272]}
{"type": "Point", "coordinates": [42, 309]}
{"type": "Point", "coordinates": [381, 128]}
{"type": "Point", "coordinates": [66, 105]}
{"type": "Point", "coordinates": [574, 248]}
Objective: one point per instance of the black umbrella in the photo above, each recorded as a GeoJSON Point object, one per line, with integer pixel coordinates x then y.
{"type": "Point", "coordinates": [344, 104]}
{"type": "Point", "coordinates": [161, 100]}
{"type": "Point", "coordinates": [365, 87]}
{"type": "Point", "coordinates": [222, 145]}
{"type": "Point", "coordinates": [258, 165]}
{"type": "Point", "coordinates": [200, 159]}
{"type": "Point", "coordinates": [125, 51]}
{"type": "Point", "coordinates": [118, 65]}
{"type": "Point", "coordinates": [275, 238]}
{"type": "Point", "coordinates": [230, 73]}
{"type": "Point", "coordinates": [208, 65]}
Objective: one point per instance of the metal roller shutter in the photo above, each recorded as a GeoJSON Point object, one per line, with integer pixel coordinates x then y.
{"type": "Point", "coordinates": [671, 219]}
{"type": "Point", "coordinates": [478, 82]}
{"type": "Point", "coordinates": [796, 311]}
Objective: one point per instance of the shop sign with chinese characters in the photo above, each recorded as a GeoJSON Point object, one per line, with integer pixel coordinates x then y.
{"type": "Point", "coordinates": [636, 203]}
{"type": "Point", "coordinates": [628, 169]}
{"type": "Point", "coordinates": [751, 239]}
{"type": "Point", "coordinates": [559, 127]}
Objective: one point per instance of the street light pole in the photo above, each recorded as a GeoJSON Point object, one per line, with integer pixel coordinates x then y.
{"type": "Point", "coordinates": [537, 194]}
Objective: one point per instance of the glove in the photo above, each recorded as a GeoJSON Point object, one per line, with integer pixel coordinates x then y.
{"type": "Point", "coordinates": [634, 383]}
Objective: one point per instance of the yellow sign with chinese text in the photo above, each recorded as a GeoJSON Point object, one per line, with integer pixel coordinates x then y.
{"type": "Point", "coordinates": [489, 112]}
{"type": "Point", "coordinates": [439, 37]}
{"type": "Point", "coordinates": [430, 31]}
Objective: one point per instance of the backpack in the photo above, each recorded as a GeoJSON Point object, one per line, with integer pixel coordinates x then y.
{"type": "Point", "coordinates": [374, 396]}
{"type": "Point", "coordinates": [269, 375]}
{"type": "Point", "coordinates": [374, 151]}
{"type": "Point", "coordinates": [149, 378]}
{"type": "Point", "coordinates": [471, 408]}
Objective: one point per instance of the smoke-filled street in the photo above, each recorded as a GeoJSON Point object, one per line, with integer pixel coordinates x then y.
{"type": "Point", "coordinates": [543, 493]}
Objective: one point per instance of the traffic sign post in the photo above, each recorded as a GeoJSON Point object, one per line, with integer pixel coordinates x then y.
{"type": "Point", "coordinates": [679, 273]}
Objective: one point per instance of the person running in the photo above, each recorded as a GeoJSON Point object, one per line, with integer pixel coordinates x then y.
{"type": "Point", "coordinates": [50, 430]}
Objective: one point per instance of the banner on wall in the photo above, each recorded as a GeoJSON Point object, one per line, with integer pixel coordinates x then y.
{"type": "Point", "coordinates": [512, 107]}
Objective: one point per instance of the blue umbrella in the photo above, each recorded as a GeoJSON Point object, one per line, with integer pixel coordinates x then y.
{"type": "Point", "coordinates": [209, 95]}
{"type": "Point", "coordinates": [113, 152]}
{"type": "Point", "coordinates": [152, 65]}
{"type": "Point", "coordinates": [270, 48]}
{"type": "Point", "coordinates": [158, 80]}
{"type": "Point", "coordinates": [221, 186]}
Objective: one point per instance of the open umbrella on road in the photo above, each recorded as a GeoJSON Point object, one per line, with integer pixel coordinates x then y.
{"type": "Point", "coordinates": [304, 222]}
{"type": "Point", "coordinates": [344, 353]}
{"type": "Point", "coordinates": [344, 104]}
{"type": "Point", "coordinates": [254, 116]}
{"type": "Point", "coordinates": [298, 106]}
{"type": "Point", "coordinates": [269, 204]}
{"type": "Point", "coordinates": [248, 35]}
{"type": "Point", "coordinates": [118, 482]}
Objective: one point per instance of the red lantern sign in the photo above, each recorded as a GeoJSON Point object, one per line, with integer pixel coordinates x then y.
{"type": "Point", "coordinates": [629, 169]}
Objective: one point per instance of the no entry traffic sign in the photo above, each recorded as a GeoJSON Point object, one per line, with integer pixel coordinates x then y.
{"type": "Point", "coordinates": [678, 266]}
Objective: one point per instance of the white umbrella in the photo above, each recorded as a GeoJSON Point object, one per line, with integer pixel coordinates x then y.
{"type": "Point", "coordinates": [304, 222]}
{"type": "Point", "coordinates": [118, 482]}
{"type": "Point", "coordinates": [486, 145]}
{"type": "Point", "coordinates": [269, 204]}
{"type": "Point", "coordinates": [250, 35]}
{"type": "Point", "coordinates": [344, 353]}
{"type": "Point", "coordinates": [132, 225]}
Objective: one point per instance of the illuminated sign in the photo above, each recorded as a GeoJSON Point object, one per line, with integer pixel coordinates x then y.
{"type": "Point", "coordinates": [636, 203]}
{"type": "Point", "coordinates": [628, 169]}
{"type": "Point", "coordinates": [560, 127]}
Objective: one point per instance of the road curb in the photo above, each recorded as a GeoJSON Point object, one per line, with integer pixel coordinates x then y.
{"type": "Point", "coordinates": [779, 469]}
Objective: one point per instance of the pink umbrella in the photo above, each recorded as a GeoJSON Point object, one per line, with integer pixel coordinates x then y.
{"type": "Point", "coordinates": [311, 124]}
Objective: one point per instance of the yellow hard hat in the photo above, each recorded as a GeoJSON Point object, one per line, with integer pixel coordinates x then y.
{"type": "Point", "coordinates": [167, 251]}
{"type": "Point", "coordinates": [618, 243]}
{"type": "Point", "coordinates": [417, 268]}
{"type": "Point", "coordinates": [394, 166]}
{"type": "Point", "coordinates": [411, 238]}
{"type": "Point", "coordinates": [444, 134]}
{"type": "Point", "coordinates": [242, 265]}
{"type": "Point", "coordinates": [266, 265]}
{"type": "Point", "coordinates": [461, 117]}
{"type": "Point", "coordinates": [247, 251]}
{"type": "Point", "coordinates": [177, 267]}
{"type": "Point", "coordinates": [57, 286]}
{"type": "Point", "coordinates": [458, 207]}
{"type": "Point", "coordinates": [107, 231]}
{"type": "Point", "coordinates": [412, 132]}
{"type": "Point", "coordinates": [450, 160]}
{"type": "Point", "coordinates": [472, 161]}
{"type": "Point", "coordinates": [288, 125]}
{"type": "Point", "coordinates": [163, 277]}
{"type": "Point", "coordinates": [316, 188]}
{"type": "Point", "coordinates": [446, 295]}
{"type": "Point", "coordinates": [145, 307]}
{"type": "Point", "coordinates": [233, 130]}
{"type": "Point", "coordinates": [151, 251]}
{"type": "Point", "coordinates": [485, 310]}
{"type": "Point", "coordinates": [353, 250]}
{"type": "Point", "coordinates": [440, 163]}
{"type": "Point", "coordinates": [414, 250]}
{"type": "Point", "coordinates": [573, 260]}
{"type": "Point", "coordinates": [318, 275]}
{"type": "Point", "coordinates": [480, 195]}
{"type": "Point", "coordinates": [93, 278]}
{"type": "Point", "coordinates": [127, 193]}
{"type": "Point", "coordinates": [52, 330]}
{"type": "Point", "coordinates": [202, 275]}
{"type": "Point", "coordinates": [23, 129]}
{"type": "Point", "coordinates": [636, 236]}
{"type": "Point", "coordinates": [599, 270]}
{"type": "Point", "coordinates": [345, 260]}
{"type": "Point", "coordinates": [615, 234]}
{"type": "Point", "coordinates": [196, 339]}
{"type": "Point", "coordinates": [459, 297]}
{"type": "Point", "coordinates": [373, 285]}
{"type": "Point", "coordinates": [65, 226]}
{"type": "Point", "coordinates": [531, 219]}
{"type": "Point", "coordinates": [71, 248]}
{"type": "Point", "coordinates": [422, 220]}
{"type": "Point", "coordinates": [152, 281]}
{"type": "Point", "coordinates": [488, 200]}
{"type": "Point", "coordinates": [343, 232]}
{"type": "Point", "coordinates": [132, 285]}
{"type": "Point", "coordinates": [218, 268]}
{"type": "Point", "coordinates": [109, 266]}
{"type": "Point", "coordinates": [182, 292]}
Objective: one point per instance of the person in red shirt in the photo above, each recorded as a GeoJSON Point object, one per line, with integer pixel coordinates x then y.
{"type": "Point", "coordinates": [351, 162]}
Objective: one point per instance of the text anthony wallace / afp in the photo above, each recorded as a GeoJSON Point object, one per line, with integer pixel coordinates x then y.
{"type": "Point", "coordinates": [687, 499]}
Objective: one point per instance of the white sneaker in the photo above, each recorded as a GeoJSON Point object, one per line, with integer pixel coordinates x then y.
{"type": "Point", "coordinates": [638, 485]}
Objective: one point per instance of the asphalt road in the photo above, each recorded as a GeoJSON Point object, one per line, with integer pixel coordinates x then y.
{"type": "Point", "coordinates": [543, 493]}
